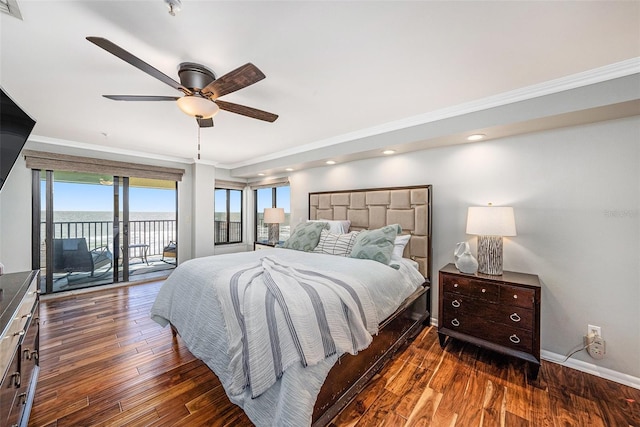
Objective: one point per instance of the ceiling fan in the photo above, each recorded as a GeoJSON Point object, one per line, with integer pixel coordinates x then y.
{"type": "Point", "coordinates": [199, 85]}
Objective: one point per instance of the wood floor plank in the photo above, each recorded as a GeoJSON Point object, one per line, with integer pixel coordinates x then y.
{"type": "Point", "coordinates": [104, 362]}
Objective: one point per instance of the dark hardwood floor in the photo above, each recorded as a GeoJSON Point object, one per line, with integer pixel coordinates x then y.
{"type": "Point", "coordinates": [105, 363]}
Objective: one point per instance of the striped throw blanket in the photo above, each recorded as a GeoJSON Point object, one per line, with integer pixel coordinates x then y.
{"type": "Point", "coordinates": [277, 315]}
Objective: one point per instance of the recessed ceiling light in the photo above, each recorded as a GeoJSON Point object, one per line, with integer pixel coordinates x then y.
{"type": "Point", "coordinates": [260, 174]}
{"type": "Point", "coordinates": [289, 169]}
{"type": "Point", "coordinates": [476, 137]}
{"type": "Point", "coordinates": [387, 152]}
{"type": "Point", "coordinates": [331, 162]}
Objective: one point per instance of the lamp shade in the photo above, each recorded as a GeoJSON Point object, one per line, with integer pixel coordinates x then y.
{"type": "Point", "coordinates": [197, 106]}
{"type": "Point", "coordinates": [491, 221]}
{"type": "Point", "coordinates": [273, 215]}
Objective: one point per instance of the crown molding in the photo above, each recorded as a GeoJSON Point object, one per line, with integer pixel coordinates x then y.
{"type": "Point", "coordinates": [585, 78]}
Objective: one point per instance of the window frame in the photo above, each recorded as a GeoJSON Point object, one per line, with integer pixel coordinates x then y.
{"type": "Point", "coordinates": [228, 217]}
{"type": "Point", "coordinates": [274, 204]}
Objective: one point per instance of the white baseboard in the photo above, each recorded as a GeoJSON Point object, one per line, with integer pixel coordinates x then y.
{"type": "Point", "coordinates": [589, 368]}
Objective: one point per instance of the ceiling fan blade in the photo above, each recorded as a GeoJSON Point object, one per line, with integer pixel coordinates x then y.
{"type": "Point", "coordinates": [137, 62]}
{"type": "Point", "coordinates": [141, 98]}
{"type": "Point", "coordinates": [247, 111]}
{"type": "Point", "coordinates": [205, 123]}
{"type": "Point", "coordinates": [237, 79]}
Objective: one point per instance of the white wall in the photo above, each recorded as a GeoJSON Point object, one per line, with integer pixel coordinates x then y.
{"type": "Point", "coordinates": [202, 228]}
{"type": "Point", "coordinates": [15, 219]}
{"type": "Point", "coordinates": [576, 195]}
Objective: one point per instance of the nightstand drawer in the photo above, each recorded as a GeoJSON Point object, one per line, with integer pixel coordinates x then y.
{"type": "Point", "coordinates": [510, 337]}
{"type": "Point", "coordinates": [521, 297]}
{"type": "Point", "coordinates": [507, 315]}
{"type": "Point", "coordinates": [471, 287]}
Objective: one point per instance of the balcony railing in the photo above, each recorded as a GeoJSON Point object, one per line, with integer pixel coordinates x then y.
{"type": "Point", "coordinates": [155, 233]}
{"type": "Point", "coordinates": [233, 235]}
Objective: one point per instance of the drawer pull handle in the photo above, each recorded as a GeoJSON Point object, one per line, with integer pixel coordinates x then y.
{"type": "Point", "coordinates": [20, 333]}
{"type": "Point", "coordinates": [515, 317]}
{"type": "Point", "coordinates": [455, 322]}
{"type": "Point", "coordinates": [34, 355]}
{"type": "Point", "coordinates": [455, 303]}
{"type": "Point", "coordinates": [22, 398]}
{"type": "Point", "coordinates": [484, 290]}
{"type": "Point", "coordinates": [16, 379]}
{"type": "Point", "coordinates": [515, 296]}
{"type": "Point", "coordinates": [455, 285]}
{"type": "Point", "coordinates": [514, 339]}
{"type": "Point", "coordinates": [26, 354]}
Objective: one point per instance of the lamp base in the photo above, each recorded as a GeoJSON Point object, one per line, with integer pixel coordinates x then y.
{"type": "Point", "coordinates": [490, 255]}
{"type": "Point", "coordinates": [274, 233]}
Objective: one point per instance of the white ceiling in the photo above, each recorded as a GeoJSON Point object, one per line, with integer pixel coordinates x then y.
{"type": "Point", "coordinates": [333, 69]}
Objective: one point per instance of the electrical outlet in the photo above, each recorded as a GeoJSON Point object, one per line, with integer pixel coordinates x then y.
{"type": "Point", "coordinates": [594, 330]}
{"type": "Point", "coordinates": [597, 349]}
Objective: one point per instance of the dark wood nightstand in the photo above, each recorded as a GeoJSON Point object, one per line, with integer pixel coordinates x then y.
{"type": "Point", "coordinates": [501, 313]}
{"type": "Point", "coordinates": [263, 244]}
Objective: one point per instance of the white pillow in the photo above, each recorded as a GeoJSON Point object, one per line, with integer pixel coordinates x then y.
{"type": "Point", "coordinates": [336, 244]}
{"type": "Point", "coordinates": [335, 226]}
{"type": "Point", "coordinates": [398, 246]}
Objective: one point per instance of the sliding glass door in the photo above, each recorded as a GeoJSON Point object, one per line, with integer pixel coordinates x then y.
{"type": "Point", "coordinates": [96, 229]}
{"type": "Point", "coordinates": [149, 235]}
{"type": "Point", "coordinates": [76, 229]}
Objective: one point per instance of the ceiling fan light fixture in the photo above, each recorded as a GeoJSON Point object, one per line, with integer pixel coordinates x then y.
{"type": "Point", "coordinates": [197, 106]}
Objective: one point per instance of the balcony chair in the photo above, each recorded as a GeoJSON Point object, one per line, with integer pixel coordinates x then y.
{"type": "Point", "coordinates": [169, 251]}
{"type": "Point", "coordinates": [73, 256]}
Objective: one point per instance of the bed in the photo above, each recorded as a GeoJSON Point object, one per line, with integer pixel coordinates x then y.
{"type": "Point", "coordinates": [315, 373]}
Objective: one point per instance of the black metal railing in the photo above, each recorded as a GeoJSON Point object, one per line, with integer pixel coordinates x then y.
{"type": "Point", "coordinates": [156, 233]}
{"type": "Point", "coordinates": [233, 235]}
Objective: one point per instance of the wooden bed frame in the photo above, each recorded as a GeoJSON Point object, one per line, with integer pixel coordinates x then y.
{"type": "Point", "coordinates": [373, 208]}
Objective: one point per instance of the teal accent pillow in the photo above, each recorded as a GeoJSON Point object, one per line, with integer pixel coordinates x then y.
{"type": "Point", "coordinates": [305, 236]}
{"type": "Point", "coordinates": [376, 245]}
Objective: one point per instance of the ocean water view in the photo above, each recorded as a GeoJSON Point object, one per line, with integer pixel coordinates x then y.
{"type": "Point", "coordinates": [154, 229]}
{"type": "Point", "coordinates": [83, 216]}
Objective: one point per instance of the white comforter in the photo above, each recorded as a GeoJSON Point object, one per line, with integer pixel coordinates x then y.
{"type": "Point", "coordinates": [190, 300]}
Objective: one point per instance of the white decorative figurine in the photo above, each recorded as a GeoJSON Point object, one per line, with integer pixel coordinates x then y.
{"type": "Point", "coordinates": [465, 262]}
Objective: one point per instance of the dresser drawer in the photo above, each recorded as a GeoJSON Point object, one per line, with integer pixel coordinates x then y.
{"type": "Point", "coordinates": [17, 326]}
{"type": "Point", "coordinates": [471, 287]}
{"type": "Point", "coordinates": [506, 336]}
{"type": "Point", "coordinates": [518, 296]}
{"type": "Point", "coordinates": [519, 317]}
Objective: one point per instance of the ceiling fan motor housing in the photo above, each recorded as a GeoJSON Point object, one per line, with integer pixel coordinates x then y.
{"type": "Point", "coordinates": [195, 76]}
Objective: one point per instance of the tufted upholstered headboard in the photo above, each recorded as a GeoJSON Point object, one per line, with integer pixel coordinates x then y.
{"type": "Point", "coordinates": [374, 208]}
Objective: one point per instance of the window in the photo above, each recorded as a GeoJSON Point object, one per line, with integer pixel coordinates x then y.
{"type": "Point", "coordinates": [228, 216]}
{"type": "Point", "coordinates": [272, 197]}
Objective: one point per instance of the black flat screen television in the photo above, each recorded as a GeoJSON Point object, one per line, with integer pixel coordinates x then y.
{"type": "Point", "coordinates": [15, 128]}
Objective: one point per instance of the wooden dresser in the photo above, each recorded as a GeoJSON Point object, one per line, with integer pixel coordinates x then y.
{"type": "Point", "coordinates": [19, 346]}
{"type": "Point", "coordinates": [501, 313]}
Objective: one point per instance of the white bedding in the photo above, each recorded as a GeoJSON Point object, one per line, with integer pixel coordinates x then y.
{"type": "Point", "coordinates": [190, 301]}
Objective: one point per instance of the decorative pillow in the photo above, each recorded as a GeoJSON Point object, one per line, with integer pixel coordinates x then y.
{"type": "Point", "coordinates": [398, 250]}
{"type": "Point", "coordinates": [335, 226]}
{"type": "Point", "coordinates": [376, 244]}
{"type": "Point", "coordinates": [398, 246]}
{"type": "Point", "coordinates": [305, 236]}
{"type": "Point", "coordinates": [336, 244]}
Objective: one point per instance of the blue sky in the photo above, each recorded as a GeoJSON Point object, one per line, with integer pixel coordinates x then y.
{"type": "Point", "coordinates": [88, 197]}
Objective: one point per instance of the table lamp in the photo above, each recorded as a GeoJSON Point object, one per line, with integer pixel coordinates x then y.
{"type": "Point", "coordinates": [273, 217]}
{"type": "Point", "coordinates": [490, 224]}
